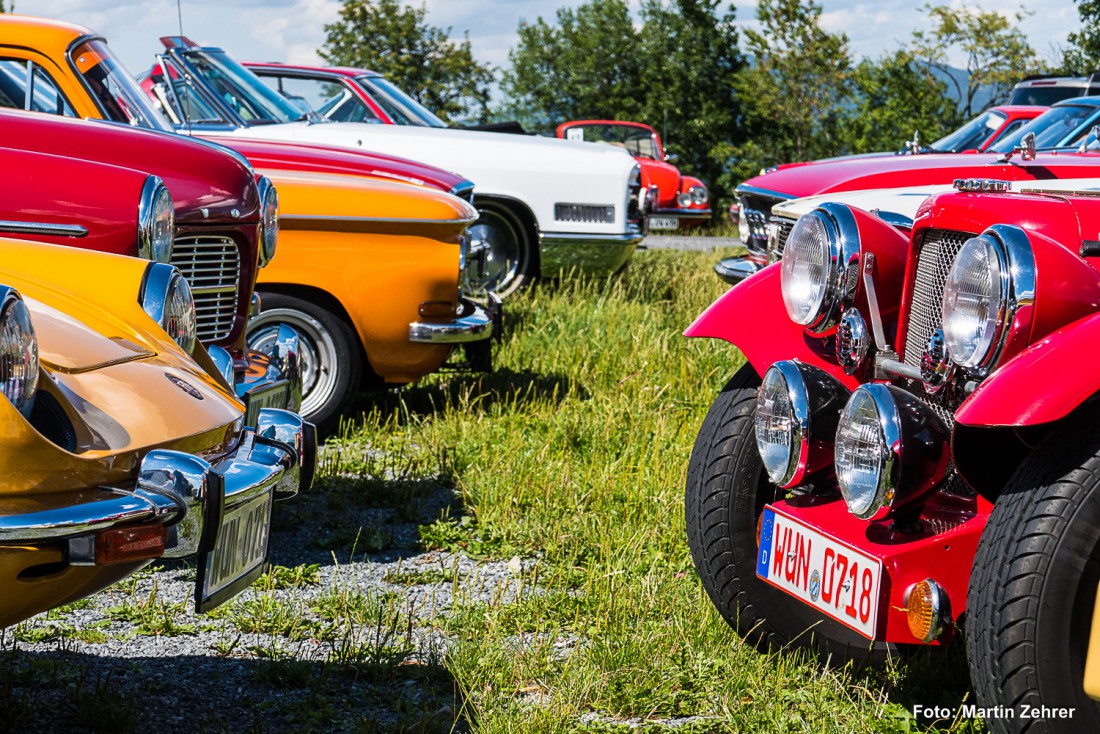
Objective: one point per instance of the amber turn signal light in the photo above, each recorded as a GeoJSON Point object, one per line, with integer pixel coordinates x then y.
{"type": "Point", "coordinates": [437, 310]}
{"type": "Point", "coordinates": [130, 543]}
{"type": "Point", "coordinates": [926, 610]}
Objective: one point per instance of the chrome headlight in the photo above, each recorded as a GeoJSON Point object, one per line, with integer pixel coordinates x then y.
{"type": "Point", "coordinates": [992, 277]}
{"type": "Point", "coordinates": [18, 352]}
{"type": "Point", "coordinates": [821, 267]}
{"type": "Point", "coordinates": [156, 221]}
{"type": "Point", "coordinates": [866, 466]}
{"type": "Point", "coordinates": [166, 297]}
{"type": "Point", "coordinates": [699, 195]}
{"type": "Point", "coordinates": [269, 219]}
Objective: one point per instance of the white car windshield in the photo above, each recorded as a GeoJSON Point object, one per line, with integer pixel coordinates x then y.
{"type": "Point", "coordinates": [401, 108]}
{"type": "Point", "coordinates": [114, 90]}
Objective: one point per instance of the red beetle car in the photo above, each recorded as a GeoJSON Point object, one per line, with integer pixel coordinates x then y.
{"type": "Point", "coordinates": [912, 443]}
{"type": "Point", "coordinates": [675, 200]}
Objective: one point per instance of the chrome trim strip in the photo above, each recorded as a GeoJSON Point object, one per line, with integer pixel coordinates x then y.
{"type": "Point", "coordinates": [745, 189]}
{"type": "Point", "coordinates": [43, 228]}
{"type": "Point", "coordinates": [290, 218]}
{"type": "Point", "coordinates": [475, 327]}
{"type": "Point", "coordinates": [584, 238]}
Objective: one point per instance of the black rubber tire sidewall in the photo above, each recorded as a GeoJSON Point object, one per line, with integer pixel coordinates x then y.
{"type": "Point", "coordinates": [528, 261]}
{"type": "Point", "coordinates": [1027, 602]}
{"type": "Point", "coordinates": [347, 363]}
{"type": "Point", "coordinates": [726, 491]}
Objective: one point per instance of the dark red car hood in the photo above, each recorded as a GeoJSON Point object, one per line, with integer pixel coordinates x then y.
{"type": "Point", "coordinates": [199, 176]}
{"type": "Point", "coordinates": [326, 159]}
{"type": "Point", "coordinates": [894, 171]}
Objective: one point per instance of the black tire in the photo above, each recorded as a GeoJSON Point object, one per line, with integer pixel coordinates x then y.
{"type": "Point", "coordinates": [503, 256]}
{"type": "Point", "coordinates": [727, 489]}
{"type": "Point", "coordinates": [331, 361]}
{"type": "Point", "coordinates": [1030, 602]}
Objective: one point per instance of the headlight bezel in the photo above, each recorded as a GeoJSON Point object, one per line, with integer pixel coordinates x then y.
{"type": "Point", "coordinates": [156, 217]}
{"type": "Point", "coordinates": [699, 195]}
{"type": "Point", "coordinates": [1013, 287]}
{"type": "Point", "coordinates": [841, 267]}
{"type": "Point", "coordinates": [166, 297]}
{"type": "Point", "coordinates": [269, 219]}
{"type": "Point", "coordinates": [11, 301]}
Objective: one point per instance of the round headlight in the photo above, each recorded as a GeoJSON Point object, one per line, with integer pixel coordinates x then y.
{"type": "Point", "coordinates": [166, 297]}
{"type": "Point", "coordinates": [683, 199]}
{"type": "Point", "coordinates": [699, 195]}
{"type": "Point", "coordinates": [863, 455]}
{"type": "Point", "coordinates": [805, 274]}
{"type": "Point", "coordinates": [974, 302]}
{"type": "Point", "coordinates": [269, 219]}
{"type": "Point", "coordinates": [156, 221]}
{"type": "Point", "coordinates": [776, 427]}
{"type": "Point", "coordinates": [18, 352]}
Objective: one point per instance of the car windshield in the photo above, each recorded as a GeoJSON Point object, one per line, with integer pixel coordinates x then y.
{"type": "Point", "coordinates": [402, 109]}
{"type": "Point", "coordinates": [972, 134]}
{"type": "Point", "coordinates": [241, 90]}
{"type": "Point", "coordinates": [1050, 128]}
{"type": "Point", "coordinates": [116, 92]}
{"type": "Point", "coordinates": [1045, 95]}
{"type": "Point", "coordinates": [638, 141]}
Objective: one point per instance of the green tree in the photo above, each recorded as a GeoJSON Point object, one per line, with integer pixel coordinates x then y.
{"type": "Point", "coordinates": [794, 93]}
{"type": "Point", "coordinates": [7, 7]}
{"type": "Point", "coordinates": [893, 98]}
{"type": "Point", "coordinates": [397, 41]}
{"type": "Point", "coordinates": [585, 65]}
{"type": "Point", "coordinates": [1083, 54]}
{"type": "Point", "coordinates": [997, 54]}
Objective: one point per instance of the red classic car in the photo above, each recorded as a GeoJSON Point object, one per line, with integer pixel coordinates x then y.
{"type": "Point", "coordinates": [912, 443]}
{"type": "Point", "coordinates": [161, 197]}
{"type": "Point", "coordinates": [675, 200]}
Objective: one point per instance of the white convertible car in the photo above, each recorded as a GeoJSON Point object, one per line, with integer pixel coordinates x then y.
{"type": "Point", "coordinates": [547, 206]}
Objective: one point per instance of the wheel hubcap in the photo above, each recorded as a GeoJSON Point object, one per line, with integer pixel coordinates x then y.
{"type": "Point", "coordinates": [494, 255]}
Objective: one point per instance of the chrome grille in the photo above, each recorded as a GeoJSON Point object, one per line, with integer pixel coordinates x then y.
{"type": "Point", "coordinates": [782, 228]}
{"type": "Point", "coordinates": [212, 267]}
{"type": "Point", "coordinates": [587, 213]}
{"type": "Point", "coordinates": [937, 252]}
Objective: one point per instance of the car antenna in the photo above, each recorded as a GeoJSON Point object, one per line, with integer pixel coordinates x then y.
{"type": "Point", "coordinates": [168, 79]}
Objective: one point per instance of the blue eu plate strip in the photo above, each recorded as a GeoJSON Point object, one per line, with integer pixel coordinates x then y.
{"type": "Point", "coordinates": [764, 556]}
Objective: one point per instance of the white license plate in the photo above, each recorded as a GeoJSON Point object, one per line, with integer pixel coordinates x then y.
{"type": "Point", "coordinates": [274, 395]}
{"type": "Point", "coordinates": [663, 222]}
{"type": "Point", "coordinates": [240, 553]}
{"type": "Point", "coordinates": [839, 580]}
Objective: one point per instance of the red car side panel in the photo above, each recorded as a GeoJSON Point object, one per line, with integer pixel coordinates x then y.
{"type": "Point", "coordinates": [1045, 383]}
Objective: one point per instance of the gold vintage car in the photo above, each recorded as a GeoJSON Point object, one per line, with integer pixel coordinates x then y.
{"type": "Point", "coordinates": [368, 270]}
{"type": "Point", "coordinates": [119, 443]}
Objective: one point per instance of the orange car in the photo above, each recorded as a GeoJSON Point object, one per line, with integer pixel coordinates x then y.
{"type": "Point", "coordinates": [368, 270]}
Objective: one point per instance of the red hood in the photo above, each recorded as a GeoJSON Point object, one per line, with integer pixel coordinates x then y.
{"type": "Point", "coordinates": [198, 175]}
{"type": "Point", "coordinates": [326, 159]}
{"type": "Point", "coordinates": [665, 176]}
{"type": "Point", "coordinates": [894, 171]}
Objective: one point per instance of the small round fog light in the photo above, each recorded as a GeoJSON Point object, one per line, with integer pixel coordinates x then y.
{"type": "Point", "coordinates": [926, 610]}
{"type": "Point", "coordinates": [776, 427]}
{"type": "Point", "coordinates": [865, 463]}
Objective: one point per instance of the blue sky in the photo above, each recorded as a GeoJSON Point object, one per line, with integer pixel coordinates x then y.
{"type": "Point", "coordinates": [291, 30]}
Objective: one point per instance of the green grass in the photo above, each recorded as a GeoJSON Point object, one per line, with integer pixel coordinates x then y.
{"type": "Point", "coordinates": [573, 453]}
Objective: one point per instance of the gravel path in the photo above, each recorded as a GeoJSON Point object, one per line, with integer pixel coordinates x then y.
{"type": "Point", "coordinates": [346, 638]}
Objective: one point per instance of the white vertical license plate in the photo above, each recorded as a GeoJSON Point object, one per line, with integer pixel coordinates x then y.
{"type": "Point", "coordinates": [663, 222]}
{"type": "Point", "coordinates": [240, 553]}
{"type": "Point", "coordinates": [829, 575]}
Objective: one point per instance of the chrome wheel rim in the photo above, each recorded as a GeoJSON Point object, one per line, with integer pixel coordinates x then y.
{"type": "Point", "coordinates": [317, 358]}
{"type": "Point", "coordinates": [494, 258]}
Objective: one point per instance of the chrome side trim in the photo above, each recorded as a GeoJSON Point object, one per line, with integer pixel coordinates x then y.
{"type": "Point", "coordinates": [291, 218]}
{"type": "Point", "coordinates": [48, 229]}
{"type": "Point", "coordinates": [474, 327]}
{"type": "Point", "coordinates": [744, 189]}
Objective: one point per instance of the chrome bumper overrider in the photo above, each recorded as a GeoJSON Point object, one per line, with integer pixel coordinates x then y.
{"type": "Point", "coordinates": [735, 269]}
{"type": "Point", "coordinates": [177, 489]}
{"type": "Point", "coordinates": [278, 363]}
{"type": "Point", "coordinates": [598, 254]}
{"type": "Point", "coordinates": [474, 325]}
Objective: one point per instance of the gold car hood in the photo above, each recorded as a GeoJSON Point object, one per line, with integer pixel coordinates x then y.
{"type": "Point", "coordinates": [66, 341]}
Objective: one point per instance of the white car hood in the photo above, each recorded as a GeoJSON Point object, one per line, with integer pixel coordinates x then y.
{"type": "Point", "coordinates": [906, 200]}
{"type": "Point", "coordinates": [537, 171]}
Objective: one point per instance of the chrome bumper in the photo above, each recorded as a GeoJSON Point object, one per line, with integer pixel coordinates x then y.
{"type": "Point", "coordinates": [177, 489]}
{"type": "Point", "coordinates": [735, 269]}
{"type": "Point", "coordinates": [597, 254]}
{"type": "Point", "coordinates": [682, 213]}
{"type": "Point", "coordinates": [476, 324]}
{"type": "Point", "coordinates": [266, 368]}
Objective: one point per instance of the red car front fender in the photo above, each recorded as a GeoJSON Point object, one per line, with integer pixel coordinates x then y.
{"type": "Point", "coordinates": [751, 316]}
{"type": "Point", "coordinates": [1044, 383]}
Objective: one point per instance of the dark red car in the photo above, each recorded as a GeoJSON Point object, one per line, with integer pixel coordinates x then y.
{"type": "Point", "coordinates": [675, 200]}
{"type": "Point", "coordinates": [912, 443]}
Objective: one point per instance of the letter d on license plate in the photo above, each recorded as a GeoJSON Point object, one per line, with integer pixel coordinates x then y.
{"type": "Point", "coordinates": [239, 555]}
{"type": "Point", "coordinates": [839, 580]}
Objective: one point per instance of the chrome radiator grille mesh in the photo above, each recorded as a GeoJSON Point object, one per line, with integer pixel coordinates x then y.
{"type": "Point", "coordinates": [783, 227]}
{"type": "Point", "coordinates": [212, 267]}
{"type": "Point", "coordinates": [937, 252]}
